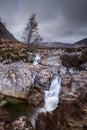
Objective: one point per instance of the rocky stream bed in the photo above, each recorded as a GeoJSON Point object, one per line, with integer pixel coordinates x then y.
{"type": "Point", "coordinates": [24, 85]}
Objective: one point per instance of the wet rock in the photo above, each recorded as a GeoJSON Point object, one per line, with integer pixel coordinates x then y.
{"type": "Point", "coordinates": [41, 76]}
{"type": "Point", "coordinates": [66, 83]}
{"type": "Point", "coordinates": [79, 84]}
{"type": "Point", "coordinates": [14, 100]}
{"type": "Point", "coordinates": [66, 79]}
{"type": "Point", "coordinates": [55, 71]}
{"type": "Point", "coordinates": [75, 83]}
{"type": "Point", "coordinates": [5, 115]}
{"type": "Point", "coordinates": [69, 116]}
{"type": "Point", "coordinates": [36, 96]}
{"type": "Point", "coordinates": [41, 122]}
{"type": "Point", "coordinates": [3, 103]}
{"type": "Point", "coordinates": [15, 79]}
{"type": "Point", "coordinates": [43, 79]}
{"type": "Point", "coordinates": [22, 124]}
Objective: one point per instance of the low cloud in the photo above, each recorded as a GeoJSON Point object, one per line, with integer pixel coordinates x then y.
{"type": "Point", "coordinates": [64, 20]}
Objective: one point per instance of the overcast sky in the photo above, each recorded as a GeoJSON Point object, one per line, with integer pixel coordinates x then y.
{"type": "Point", "coordinates": [59, 20]}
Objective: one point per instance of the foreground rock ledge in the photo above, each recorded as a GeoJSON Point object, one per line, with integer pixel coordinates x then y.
{"type": "Point", "coordinates": [71, 113]}
{"type": "Point", "coordinates": [15, 79]}
{"type": "Point", "coordinates": [69, 116]}
{"type": "Point", "coordinates": [21, 124]}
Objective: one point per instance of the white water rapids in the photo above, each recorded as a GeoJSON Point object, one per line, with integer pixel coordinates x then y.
{"type": "Point", "coordinates": [51, 99]}
{"type": "Point", "coordinates": [37, 57]}
{"type": "Point", "coordinates": [52, 96]}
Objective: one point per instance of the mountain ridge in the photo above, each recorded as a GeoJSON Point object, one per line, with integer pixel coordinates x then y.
{"type": "Point", "coordinates": [5, 35]}
{"type": "Point", "coordinates": [81, 43]}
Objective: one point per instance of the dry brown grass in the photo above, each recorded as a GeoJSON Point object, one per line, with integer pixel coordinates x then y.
{"type": "Point", "coordinates": [13, 51]}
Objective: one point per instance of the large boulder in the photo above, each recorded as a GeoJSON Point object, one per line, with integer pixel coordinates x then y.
{"type": "Point", "coordinates": [43, 79]}
{"type": "Point", "coordinates": [15, 79]}
{"type": "Point", "coordinates": [51, 61]}
{"type": "Point", "coordinates": [75, 60]}
{"type": "Point", "coordinates": [73, 85]}
{"type": "Point", "coordinates": [41, 76]}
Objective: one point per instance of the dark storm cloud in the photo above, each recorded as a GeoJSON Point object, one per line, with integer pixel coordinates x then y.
{"type": "Point", "coordinates": [59, 20]}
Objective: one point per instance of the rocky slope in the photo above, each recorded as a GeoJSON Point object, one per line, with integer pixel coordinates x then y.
{"type": "Point", "coordinates": [81, 43]}
{"type": "Point", "coordinates": [5, 35]}
{"type": "Point", "coordinates": [10, 49]}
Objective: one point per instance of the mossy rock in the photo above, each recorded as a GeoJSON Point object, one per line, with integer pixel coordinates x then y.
{"type": "Point", "coordinates": [3, 103]}
{"type": "Point", "coordinates": [14, 100]}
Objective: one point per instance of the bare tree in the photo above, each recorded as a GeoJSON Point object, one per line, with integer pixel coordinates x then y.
{"type": "Point", "coordinates": [31, 35]}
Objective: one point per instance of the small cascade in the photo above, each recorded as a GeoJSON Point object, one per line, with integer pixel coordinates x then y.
{"type": "Point", "coordinates": [33, 79]}
{"type": "Point", "coordinates": [37, 57]}
{"type": "Point", "coordinates": [52, 96]}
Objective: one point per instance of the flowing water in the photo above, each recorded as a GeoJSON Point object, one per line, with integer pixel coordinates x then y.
{"type": "Point", "coordinates": [51, 99]}
{"type": "Point", "coordinates": [37, 57]}
{"type": "Point", "coordinates": [52, 96]}
{"type": "Point", "coordinates": [51, 102]}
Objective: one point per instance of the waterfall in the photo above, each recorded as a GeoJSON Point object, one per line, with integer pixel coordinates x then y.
{"type": "Point", "coordinates": [52, 96]}
{"type": "Point", "coordinates": [51, 99]}
{"type": "Point", "coordinates": [33, 79]}
{"type": "Point", "coordinates": [37, 57]}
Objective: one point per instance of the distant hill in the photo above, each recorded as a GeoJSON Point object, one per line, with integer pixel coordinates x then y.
{"type": "Point", "coordinates": [5, 35]}
{"type": "Point", "coordinates": [54, 45]}
{"type": "Point", "coordinates": [81, 43]}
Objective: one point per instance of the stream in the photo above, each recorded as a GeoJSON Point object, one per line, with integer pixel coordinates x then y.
{"type": "Point", "coordinates": [51, 100]}
{"type": "Point", "coordinates": [22, 109]}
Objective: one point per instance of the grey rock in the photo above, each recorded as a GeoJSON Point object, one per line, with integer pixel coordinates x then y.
{"type": "Point", "coordinates": [55, 70]}
{"type": "Point", "coordinates": [54, 61]}
{"type": "Point", "coordinates": [15, 79]}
